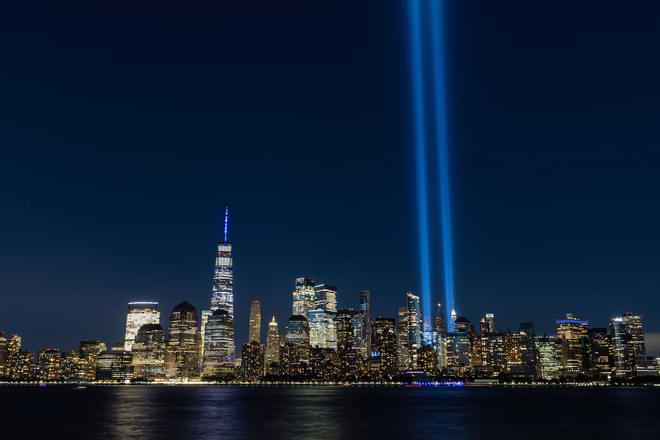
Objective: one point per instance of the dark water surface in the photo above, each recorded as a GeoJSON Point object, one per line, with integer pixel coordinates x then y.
{"type": "Point", "coordinates": [135, 412]}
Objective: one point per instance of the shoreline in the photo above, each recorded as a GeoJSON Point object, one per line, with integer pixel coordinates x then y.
{"type": "Point", "coordinates": [84, 385]}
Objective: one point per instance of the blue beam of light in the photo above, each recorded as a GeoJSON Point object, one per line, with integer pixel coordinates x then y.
{"type": "Point", "coordinates": [442, 145]}
{"type": "Point", "coordinates": [417, 79]}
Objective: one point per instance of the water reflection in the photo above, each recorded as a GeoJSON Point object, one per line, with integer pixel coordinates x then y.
{"type": "Point", "coordinates": [309, 413]}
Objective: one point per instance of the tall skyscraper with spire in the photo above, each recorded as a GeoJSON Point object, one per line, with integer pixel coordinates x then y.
{"type": "Point", "coordinates": [218, 342]}
{"type": "Point", "coordinates": [452, 323]}
{"type": "Point", "coordinates": [272, 346]}
{"type": "Point", "coordinates": [223, 279]}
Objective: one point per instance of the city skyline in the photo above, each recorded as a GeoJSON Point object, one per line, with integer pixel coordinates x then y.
{"type": "Point", "coordinates": [391, 219]}
{"type": "Point", "coordinates": [120, 158]}
{"type": "Point", "coordinates": [301, 304]}
{"type": "Point", "coordinates": [323, 344]}
{"type": "Point", "coordinates": [327, 344]}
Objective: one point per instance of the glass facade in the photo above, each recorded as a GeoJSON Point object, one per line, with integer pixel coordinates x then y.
{"type": "Point", "coordinates": [139, 314]}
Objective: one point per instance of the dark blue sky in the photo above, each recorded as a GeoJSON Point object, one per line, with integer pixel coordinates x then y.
{"type": "Point", "coordinates": [125, 128]}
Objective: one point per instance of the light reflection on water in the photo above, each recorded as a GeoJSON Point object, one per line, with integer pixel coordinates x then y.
{"type": "Point", "coordinates": [143, 412]}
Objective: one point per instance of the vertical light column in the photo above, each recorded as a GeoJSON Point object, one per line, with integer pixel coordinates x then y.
{"type": "Point", "coordinates": [420, 140]}
{"type": "Point", "coordinates": [442, 147]}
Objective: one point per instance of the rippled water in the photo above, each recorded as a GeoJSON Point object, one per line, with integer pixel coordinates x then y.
{"type": "Point", "coordinates": [136, 412]}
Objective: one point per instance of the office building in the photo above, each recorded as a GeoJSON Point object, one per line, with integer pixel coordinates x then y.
{"type": "Point", "coordinates": [528, 356]}
{"type": "Point", "coordinates": [49, 365]}
{"type": "Point", "coordinates": [297, 334]}
{"type": "Point", "coordinates": [114, 366]}
{"type": "Point", "coordinates": [636, 345]}
{"type": "Point", "coordinates": [182, 354]}
{"type": "Point", "coordinates": [148, 351]}
{"type": "Point", "coordinates": [599, 353]}
{"type": "Point", "coordinates": [252, 361]}
{"type": "Point", "coordinates": [487, 324]}
{"type": "Point", "coordinates": [573, 338]}
{"type": "Point", "coordinates": [88, 352]}
{"type": "Point", "coordinates": [272, 357]}
{"type": "Point", "coordinates": [206, 314]}
{"type": "Point", "coordinates": [459, 353]}
{"type": "Point", "coordinates": [404, 359]}
{"type": "Point", "coordinates": [255, 322]}
{"type": "Point", "coordinates": [383, 357]}
{"type": "Point", "coordinates": [323, 364]}
{"type": "Point", "coordinates": [321, 319]}
{"type": "Point", "coordinates": [548, 350]}
{"type": "Point", "coordinates": [139, 314]}
{"type": "Point", "coordinates": [219, 345]}
{"type": "Point", "coordinates": [427, 360]}
{"type": "Point", "coordinates": [361, 329]}
{"type": "Point", "coordinates": [347, 353]}
{"type": "Point", "coordinates": [72, 367]}
{"type": "Point", "coordinates": [304, 296]}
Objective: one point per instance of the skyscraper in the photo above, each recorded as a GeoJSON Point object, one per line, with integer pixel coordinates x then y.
{"type": "Point", "coordinates": [548, 357]}
{"type": "Point", "coordinates": [528, 356]}
{"type": "Point", "coordinates": [487, 324]}
{"type": "Point", "coordinates": [599, 353]}
{"type": "Point", "coordinates": [149, 353]}
{"type": "Point", "coordinates": [322, 330]}
{"type": "Point", "coordinates": [347, 353]}
{"type": "Point", "coordinates": [255, 322]}
{"type": "Point", "coordinates": [361, 334]}
{"type": "Point", "coordinates": [636, 345]}
{"type": "Point", "coordinates": [628, 345]}
{"type": "Point", "coordinates": [365, 303]}
{"type": "Point", "coordinates": [453, 320]}
{"type": "Point", "coordinates": [415, 324]}
{"type": "Point", "coordinates": [439, 321]}
{"type": "Point", "coordinates": [252, 361]}
{"type": "Point", "coordinates": [322, 364]}
{"type": "Point", "coordinates": [219, 345]}
{"type": "Point", "coordinates": [297, 334]}
{"type": "Point", "coordinates": [459, 352]}
{"type": "Point", "coordinates": [115, 365]}
{"type": "Point", "coordinates": [363, 331]}
{"type": "Point", "coordinates": [13, 356]}
{"type": "Point", "coordinates": [619, 339]}
{"type": "Point", "coordinates": [427, 360]}
{"type": "Point", "coordinates": [403, 341]}
{"type": "Point", "coordinates": [441, 338]}
{"type": "Point", "coordinates": [383, 361]}
{"type": "Point", "coordinates": [50, 364]}
{"type": "Point", "coordinates": [88, 352]}
{"type": "Point", "coordinates": [183, 343]}
{"type": "Point", "coordinates": [71, 366]}
{"type": "Point", "coordinates": [206, 314]}
{"type": "Point", "coordinates": [139, 314]}
{"type": "Point", "coordinates": [272, 347]}
{"type": "Point", "coordinates": [222, 296]}
{"type": "Point", "coordinates": [304, 296]}
{"type": "Point", "coordinates": [573, 336]}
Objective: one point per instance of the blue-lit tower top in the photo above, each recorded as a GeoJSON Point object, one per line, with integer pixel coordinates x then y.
{"type": "Point", "coordinates": [222, 296]}
{"type": "Point", "coordinates": [226, 224]}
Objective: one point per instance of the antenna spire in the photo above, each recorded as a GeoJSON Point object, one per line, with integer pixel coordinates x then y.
{"type": "Point", "coordinates": [226, 223]}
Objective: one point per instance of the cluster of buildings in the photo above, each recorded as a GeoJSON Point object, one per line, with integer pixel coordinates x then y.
{"type": "Point", "coordinates": [320, 342]}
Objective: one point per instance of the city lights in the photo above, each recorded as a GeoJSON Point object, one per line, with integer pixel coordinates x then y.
{"type": "Point", "coordinates": [324, 344]}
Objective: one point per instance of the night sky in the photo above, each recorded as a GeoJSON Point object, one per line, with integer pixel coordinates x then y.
{"type": "Point", "coordinates": [126, 128]}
